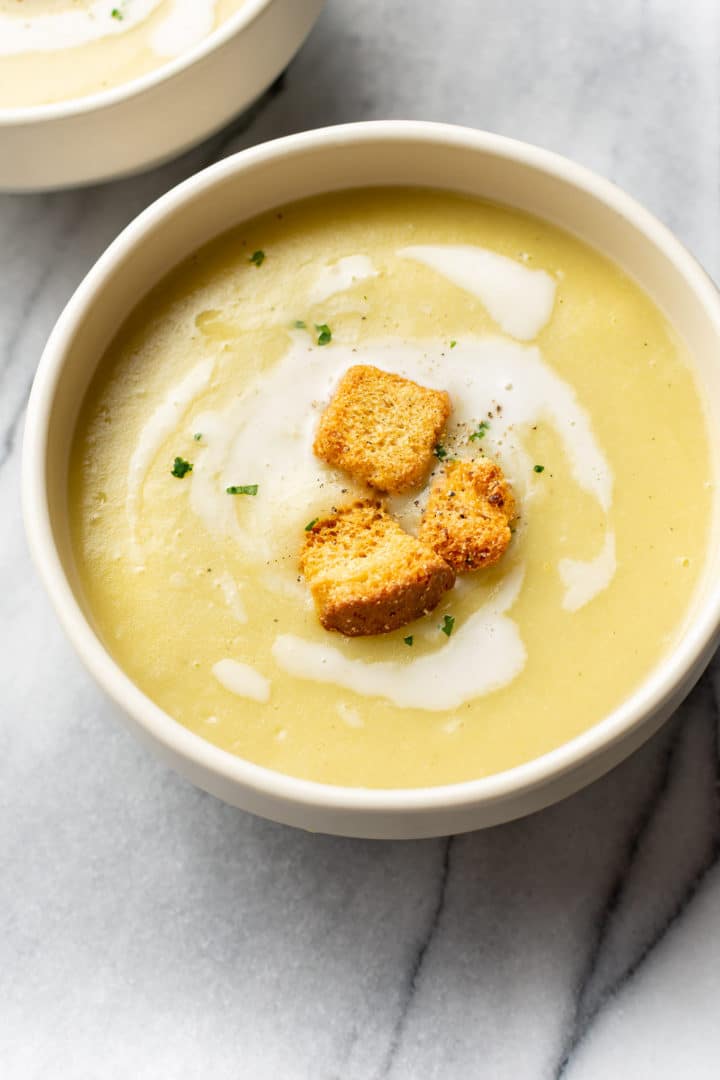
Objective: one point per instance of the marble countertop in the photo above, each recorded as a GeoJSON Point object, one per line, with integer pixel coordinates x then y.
{"type": "Point", "coordinates": [149, 931]}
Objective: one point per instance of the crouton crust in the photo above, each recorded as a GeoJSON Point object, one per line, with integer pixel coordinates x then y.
{"type": "Point", "coordinates": [382, 428]}
{"type": "Point", "coordinates": [468, 514]}
{"type": "Point", "coordinates": [368, 576]}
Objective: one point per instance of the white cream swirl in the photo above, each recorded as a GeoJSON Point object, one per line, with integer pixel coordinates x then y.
{"type": "Point", "coordinates": [519, 299]}
{"type": "Point", "coordinates": [51, 27]}
{"type": "Point", "coordinates": [265, 436]}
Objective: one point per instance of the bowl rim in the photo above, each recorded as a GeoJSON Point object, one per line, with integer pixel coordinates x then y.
{"type": "Point", "coordinates": [116, 95]}
{"type": "Point", "coordinates": [655, 692]}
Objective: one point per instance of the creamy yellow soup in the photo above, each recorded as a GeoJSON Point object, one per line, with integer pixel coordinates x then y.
{"type": "Point", "coordinates": [53, 50]}
{"type": "Point", "coordinates": [585, 396]}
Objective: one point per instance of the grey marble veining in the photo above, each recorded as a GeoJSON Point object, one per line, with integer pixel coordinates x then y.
{"type": "Point", "coordinates": [147, 930]}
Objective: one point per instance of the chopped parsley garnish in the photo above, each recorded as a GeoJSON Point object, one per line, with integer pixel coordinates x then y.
{"type": "Point", "coordinates": [440, 452]}
{"type": "Point", "coordinates": [257, 257]}
{"type": "Point", "coordinates": [299, 324]}
{"type": "Point", "coordinates": [408, 640]}
{"type": "Point", "coordinates": [242, 489]}
{"type": "Point", "coordinates": [453, 344]}
{"type": "Point", "coordinates": [310, 525]}
{"type": "Point", "coordinates": [538, 468]}
{"type": "Point", "coordinates": [324, 333]}
{"type": "Point", "coordinates": [482, 427]}
{"type": "Point", "coordinates": [181, 467]}
{"type": "Point", "coordinates": [197, 436]}
{"type": "Point", "coordinates": [448, 623]}
{"type": "Point", "coordinates": [116, 13]}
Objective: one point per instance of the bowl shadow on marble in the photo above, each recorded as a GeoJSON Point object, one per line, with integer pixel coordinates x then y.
{"type": "Point", "coordinates": [287, 949]}
{"type": "Point", "coordinates": [575, 895]}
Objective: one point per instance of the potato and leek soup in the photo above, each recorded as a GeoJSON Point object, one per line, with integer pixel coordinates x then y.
{"type": "Point", "coordinates": [54, 50]}
{"type": "Point", "coordinates": [224, 447]}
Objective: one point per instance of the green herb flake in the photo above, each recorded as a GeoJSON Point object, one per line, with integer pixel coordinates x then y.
{"type": "Point", "coordinates": [453, 344]}
{"type": "Point", "coordinates": [257, 258]}
{"type": "Point", "coordinates": [448, 624]}
{"type": "Point", "coordinates": [197, 436]}
{"type": "Point", "coordinates": [324, 333]}
{"type": "Point", "coordinates": [408, 640]}
{"type": "Point", "coordinates": [538, 468]}
{"type": "Point", "coordinates": [116, 13]}
{"type": "Point", "coordinates": [181, 467]}
{"type": "Point", "coordinates": [299, 324]}
{"type": "Point", "coordinates": [482, 427]}
{"type": "Point", "coordinates": [440, 452]}
{"type": "Point", "coordinates": [311, 525]}
{"type": "Point", "coordinates": [242, 489]}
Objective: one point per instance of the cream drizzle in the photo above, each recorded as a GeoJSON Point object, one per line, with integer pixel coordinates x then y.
{"type": "Point", "coordinates": [584, 579]}
{"type": "Point", "coordinates": [342, 275]}
{"type": "Point", "coordinates": [483, 654]}
{"type": "Point", "coordinates": [265, 436]}
{"type": "Point", "coordinates": [231, 594]}
{"type": "Point", "coordinates": [186, 23]}
{"type": "Point", "coordinates": [349, 715]}
{"type": "Point", "coordinates": [242, 680]}
{"type": "Point", "coordinates": [155, 431]}
{"type": "Point", "coordinates": [520, 300]}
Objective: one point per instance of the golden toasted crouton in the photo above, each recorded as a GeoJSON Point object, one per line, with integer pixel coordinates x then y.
{"type": "Point", "coordinates": [468, 514]}
{"type": "Point", "coordinates": [367, 575]}
{"type": "Point", "coordinates": [382, 428]}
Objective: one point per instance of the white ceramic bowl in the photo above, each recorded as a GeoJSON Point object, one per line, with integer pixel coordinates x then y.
{"type": "Point", "coordinates": [364, 154]}
{"type": "Point", "coordinates": [152, 118]}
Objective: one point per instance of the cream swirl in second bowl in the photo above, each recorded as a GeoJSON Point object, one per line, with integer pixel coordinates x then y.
{"type": "Point", "coordinates": [54, 50]}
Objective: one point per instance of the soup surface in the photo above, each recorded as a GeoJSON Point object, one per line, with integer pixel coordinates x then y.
{"type": "Point", "coordinates": [52, 50]}
{"type": "Point", "coordinates": [582, 392]}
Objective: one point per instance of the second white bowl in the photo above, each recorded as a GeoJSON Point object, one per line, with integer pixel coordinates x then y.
{"type": "Point", "coordinates": [149, 119]}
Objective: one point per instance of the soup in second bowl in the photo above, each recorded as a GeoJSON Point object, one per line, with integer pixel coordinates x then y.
{"type": "Point", "coordinates": [314, 392]}
{"type": "Point", "coordinates": [53, 50]}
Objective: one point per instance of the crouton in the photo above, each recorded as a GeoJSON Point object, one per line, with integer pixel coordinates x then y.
{"type": "Point", "coordinates": [368, 576]}
{"type": "Point", "coordinates": [382, 428]}
{"type": "Point", "coordinates": [468, 514]}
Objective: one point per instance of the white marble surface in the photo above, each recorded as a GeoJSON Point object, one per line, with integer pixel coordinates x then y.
{"type": "Point", "coordinates": [147, 930]}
